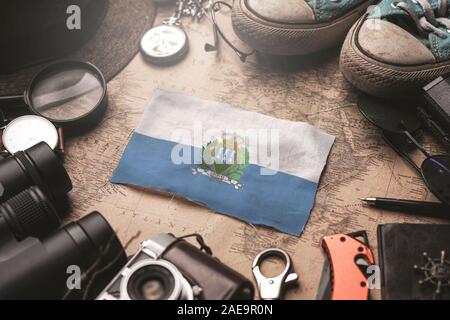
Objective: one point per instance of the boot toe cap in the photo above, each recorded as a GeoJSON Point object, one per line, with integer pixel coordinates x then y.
{"type": "Point", "coordinates": [290, 12]}
{"type": "Point", "coordinates": [389, 43]}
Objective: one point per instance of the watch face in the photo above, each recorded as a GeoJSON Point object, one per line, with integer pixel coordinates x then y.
{"type": "Point", "coordinates": [164, 43]}
{"type": "Point", "coordinates": [27, 131]}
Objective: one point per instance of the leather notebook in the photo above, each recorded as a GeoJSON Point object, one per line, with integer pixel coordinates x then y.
{"type": "Point", "coordinates": [414, 261]}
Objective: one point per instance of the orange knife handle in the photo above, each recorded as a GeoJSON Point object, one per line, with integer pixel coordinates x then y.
{"type": "Point", "coordinates": [348, 281]}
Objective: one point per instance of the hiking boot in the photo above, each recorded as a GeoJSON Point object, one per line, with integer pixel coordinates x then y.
{"type": "Point", "coordinates": [295, 27]}
{"type": "Point", "coordinates": [397, 47]}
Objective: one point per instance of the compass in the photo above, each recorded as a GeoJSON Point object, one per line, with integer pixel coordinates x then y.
{"type": "Point", "coordinates": [436, 273]}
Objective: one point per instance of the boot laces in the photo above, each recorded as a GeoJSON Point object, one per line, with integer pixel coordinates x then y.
{"type": "Point", "coordinates": [431, 20]}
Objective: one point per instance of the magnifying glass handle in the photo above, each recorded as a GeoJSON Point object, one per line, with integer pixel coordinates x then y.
{"type": "Point", "coordinates": [12, 102]}
{"type": "Point", "coordinates": [17, 98]}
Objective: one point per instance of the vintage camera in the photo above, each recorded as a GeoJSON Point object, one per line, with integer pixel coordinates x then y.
{"type": "Point", "coordinates": [170, 268]}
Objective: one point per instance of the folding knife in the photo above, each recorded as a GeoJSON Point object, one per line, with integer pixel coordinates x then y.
{"type": "Point", "coordinates": [344, 275]}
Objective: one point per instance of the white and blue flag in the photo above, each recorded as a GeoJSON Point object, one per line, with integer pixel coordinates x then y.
{"type": "Point", "coordinates": [247, 165]}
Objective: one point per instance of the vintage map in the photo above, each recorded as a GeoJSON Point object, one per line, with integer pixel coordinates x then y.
{"type": "Point", "coordinates": [307, 89]}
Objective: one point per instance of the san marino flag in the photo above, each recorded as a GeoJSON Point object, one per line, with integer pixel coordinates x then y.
{"type": "Point", "coordinates": [250, 166]}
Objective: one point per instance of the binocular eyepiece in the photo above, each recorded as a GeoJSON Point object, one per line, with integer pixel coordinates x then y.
{"type": "Point", "coordinates": [40, 268]}
{"type": "Point", "coordinates": [35, 255]}
{"type": "Point", "coordinates": [37, 166]}
{"type": "Point", "coordinates": [29, 214]}
{"type": "Point", "coordinates": [31, 181]}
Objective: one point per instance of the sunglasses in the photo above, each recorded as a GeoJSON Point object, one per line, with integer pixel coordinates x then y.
{"type": "Point", "coordinates": [401, 129]}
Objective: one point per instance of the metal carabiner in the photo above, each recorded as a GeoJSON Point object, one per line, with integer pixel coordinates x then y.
{"type": "Point", "coordinates": [272, 288]}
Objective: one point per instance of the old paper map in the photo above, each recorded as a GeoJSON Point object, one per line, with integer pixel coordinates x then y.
{"type": "Point", "coordinates": [307, 89]}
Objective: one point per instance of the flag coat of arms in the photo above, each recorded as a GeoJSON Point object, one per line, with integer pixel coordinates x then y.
{"type": "Point", "coordinates": [253, 167]}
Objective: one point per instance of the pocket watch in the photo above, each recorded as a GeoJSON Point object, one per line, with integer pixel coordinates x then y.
{"type": "Point", "coordinates": [167, 43]}
{"type": "Point", "coordinates": [164, 44]}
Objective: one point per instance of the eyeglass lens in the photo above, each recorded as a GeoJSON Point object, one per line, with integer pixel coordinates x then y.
{"type": "Point", "coordinates": [436, 173]}
{"type": "Point", "coordinates": [399, 124]}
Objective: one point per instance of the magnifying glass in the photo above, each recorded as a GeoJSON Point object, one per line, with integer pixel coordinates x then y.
{"type": "Point", "coordinates": [72, 94]}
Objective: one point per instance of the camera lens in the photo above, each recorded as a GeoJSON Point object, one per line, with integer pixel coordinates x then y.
{"type": "Point", "coordinates": [152, 289]}
{"type": "Point", "coordinates": [38, 165]}
{"type": "Point", "coordinates": [151, 283]}
{"type": "Point", "coordinates": [155, 280]}
{"type": "Point", "coordinates": [29, 214]}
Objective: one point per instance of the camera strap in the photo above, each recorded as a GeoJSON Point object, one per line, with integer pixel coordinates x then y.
{"type": "Point", "coordinates": [203, 246]}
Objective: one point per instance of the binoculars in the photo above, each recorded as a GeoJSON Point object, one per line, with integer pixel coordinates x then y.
{"type": "Point", "coordinates": [38, 259]}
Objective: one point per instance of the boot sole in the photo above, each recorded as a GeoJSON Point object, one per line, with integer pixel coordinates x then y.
{"type": "Point", "coordinates": [290, 39]}
{"type": "Point", "coordinates": [381, 79]}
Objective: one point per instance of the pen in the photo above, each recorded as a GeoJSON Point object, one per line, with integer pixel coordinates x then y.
{"type": "Point", "coordinates": [419, 208]}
